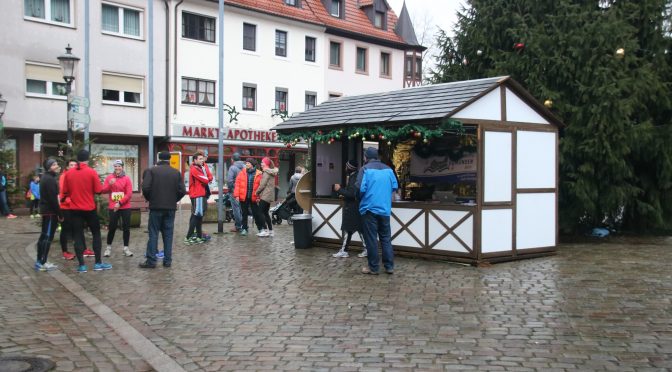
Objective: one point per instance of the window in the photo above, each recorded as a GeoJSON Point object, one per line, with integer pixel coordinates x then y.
{"type": "Point", "coordinates": [418, 68]}
{"type": "Point", "coordinates": [310, 48]}
{"type": "Point", "coordinates": [49, 10]}
{"type": "Point", "coordinates": [385, 64]}
{"type": "Point", "coordinates": [379, 20]}
{"type": "Point", "coordinates": [44, 81]}
{"type": "Point", "coordinates": [292, 2]}
{"type": "Point", "coordinates": [121, 21]}
{"type": "Point", "coordinates": [335, 95]}
{"type": "Point", "coordinates": [335, 8]}
{"type": "Point", "coordinates": [198, 27]}
{"type": "Point", "coordinates": [361, 59]}
{"type": "Point", "coordinates": [108, 153]}
{"type": "Point", "coordinates": [311, 100]}
{"type": "Point", "coordinates": [249, 37]}
{"type": "Point", "coordinates": [281, 99]}
{"type": "Point", "coordinates": [334, 54]}
{"type": "Point", "coordinates": [280, 43]}
{"type": "Point", "coordinates": [122, 89]}
{"type": "Point", "coordinates": [198, 92]}
{"type": "Point", "coordinates": [249, 97]}
{"type": "Point", "coordinates": [409, 67]}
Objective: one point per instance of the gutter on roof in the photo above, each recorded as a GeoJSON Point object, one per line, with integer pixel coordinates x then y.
{"type": "Point", "coordinates": [268, 13]}
{"type": "Point", "coordinates": [372, 39]}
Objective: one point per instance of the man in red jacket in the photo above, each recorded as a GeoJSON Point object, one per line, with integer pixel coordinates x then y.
{"type": "Point", "coordinates": [199, 190]}
{"type": "Point", "coordinates": [118, 185]}
{"type": "Point", "coordinates": [80, 185]}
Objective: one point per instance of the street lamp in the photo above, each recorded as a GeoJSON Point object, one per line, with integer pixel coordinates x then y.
{"type": "Point", "coordinates": [68, 62]}
{"type": "Point", "coordinates": [3, 106]}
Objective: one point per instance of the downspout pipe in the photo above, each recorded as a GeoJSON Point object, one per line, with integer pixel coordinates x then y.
{"type": "Point", "coordinates": [167, 98]}
{"type": "Point", "coordinates": [175, 61]}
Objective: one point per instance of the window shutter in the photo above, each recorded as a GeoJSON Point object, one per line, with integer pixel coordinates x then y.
{"type": "Point", "coordinates": [44, 73]}
{"type": "Point", "coordinates": [122, 83]}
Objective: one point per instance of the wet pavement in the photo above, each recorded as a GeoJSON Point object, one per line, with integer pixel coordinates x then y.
{"type": "Point", "coordinates": [257, 303]}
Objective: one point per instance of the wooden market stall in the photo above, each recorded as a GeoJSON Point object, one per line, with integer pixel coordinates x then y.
{"type": "Point", "coordinates": [476, 160]}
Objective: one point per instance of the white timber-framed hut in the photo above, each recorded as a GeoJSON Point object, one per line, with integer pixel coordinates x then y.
{"type": "Point", "coordinates": [486, 193]}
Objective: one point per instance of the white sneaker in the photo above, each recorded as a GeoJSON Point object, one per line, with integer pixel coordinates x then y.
{"type": "Point", "coordinates": [127, 252]}
{"type": "Point", "coordinates": [271, 233]}
{"type": "Point", "coordinates": [49, 266]}
{"type": "Point", "coordinates": [341, 254]}
{"type": "Point", "coordinates": [263, 233]}
{"type": "Point", "coordinates": [362, 255]}
{"type": "Point", "coordinates": [108, 251]}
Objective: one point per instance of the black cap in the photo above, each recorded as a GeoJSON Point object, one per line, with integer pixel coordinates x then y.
{"type": "Point", "coordinates": [48, 163]}
{"type": "Point", "coordinates": [236, 156]}
{"type": "Point", "coordinates": [164, 155]}
{"type": "Point", "coordinates": [371, 153]}
{"type": "Point", "coordinates": [83, 155]}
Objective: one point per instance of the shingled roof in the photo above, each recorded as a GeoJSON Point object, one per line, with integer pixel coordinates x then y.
{"type": "Point", "coordinates": [425, 103]}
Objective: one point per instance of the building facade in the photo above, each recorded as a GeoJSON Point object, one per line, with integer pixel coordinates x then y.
{"type": "Point", "coordinates": [280, 57]}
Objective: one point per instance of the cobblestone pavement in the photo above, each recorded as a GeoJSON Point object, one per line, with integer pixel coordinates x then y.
{"type": "Point", "coordinates": [257, 303]}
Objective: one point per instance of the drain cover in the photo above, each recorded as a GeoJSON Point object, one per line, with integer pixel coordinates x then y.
{"type": "Point", "coordinates": [25, 364]}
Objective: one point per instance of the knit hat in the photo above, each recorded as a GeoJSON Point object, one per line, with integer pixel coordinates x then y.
{"type": "Point", "coordinates": [267, 162]}
{"type": "Point", "coordinates": [371, 153]}
{"type": "Point", "coordinates": [351, 164]}
{"type": "Point", "coordinates": [83, 155]}
{"type": "Point", "coordinates": [164, 155]}
{"type": "Point", "coordinates": [235, 156]}
{"type": "Point", "coordinates": [118, 162]}
{"type": "Point", "coordinates": [48, 163]}
{"type": "Point", "coordinates": [251, 161]}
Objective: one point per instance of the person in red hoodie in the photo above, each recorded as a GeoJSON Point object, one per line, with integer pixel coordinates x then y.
{"type": "Point", "coordinates": [118, 185]}
{"type": "Point", "coordinates": [199, 190]}
{"type": "Point", "coordinates": [66, 224]}
{"type": "Point", "coordinates": [80, 185]}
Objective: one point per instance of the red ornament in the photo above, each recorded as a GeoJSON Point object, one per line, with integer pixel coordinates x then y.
{"type": "Point", "coordinates": [319, 132]}
{"type": "Point", "coordinates": [417, 134]}
{"type": "Point", "coordinates": [519, 46]}
{"type": "Point", "coordinates": [381, 137]}
{"type": "Point", "coordinates": [289, 145]}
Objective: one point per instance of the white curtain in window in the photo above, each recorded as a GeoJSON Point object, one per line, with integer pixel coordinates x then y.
{"type": "Point", "coordinates": [60, 11]}
{"type": "Point", "coordinates": [33, 8]}
{"type": "Point", "coordinates": [131, 22]}
{"type": "Point", "coordinates": [110, 18]}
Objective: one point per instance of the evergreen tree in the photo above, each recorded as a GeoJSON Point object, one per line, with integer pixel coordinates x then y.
{"type": "Point", "coordinates": [616, 161]}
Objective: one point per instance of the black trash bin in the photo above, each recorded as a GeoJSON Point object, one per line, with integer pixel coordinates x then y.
{"type": "Point", "coordinates": [303, 234]}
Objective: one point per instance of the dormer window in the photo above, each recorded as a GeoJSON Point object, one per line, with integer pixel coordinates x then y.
{"type": "Point", "coordinates": [379, 20]}
{"type": "Point", "coordinates": [335, 8]}
{"type": "Point", "coordinates": [292, 2]}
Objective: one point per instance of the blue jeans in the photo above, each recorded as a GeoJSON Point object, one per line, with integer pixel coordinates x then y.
{"type": "Point", "coordinates": [163, 221]}
{"type": "Point", "coordinates": [4, 205]}
{"type": "Point", "coordinates": [376, 226]}
{"type": "Point", "coordinates": [237, 214]}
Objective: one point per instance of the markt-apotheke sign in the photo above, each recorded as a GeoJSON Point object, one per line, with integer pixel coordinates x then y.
{"type": "Point", "coordinates": [195, 131]}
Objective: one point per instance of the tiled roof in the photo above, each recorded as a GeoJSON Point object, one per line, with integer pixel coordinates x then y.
{"type": "Point", "coordinates": [313, 11]}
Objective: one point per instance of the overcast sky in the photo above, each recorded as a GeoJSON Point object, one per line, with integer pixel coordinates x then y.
{"type": "Point", "coordinates": [441, 13]}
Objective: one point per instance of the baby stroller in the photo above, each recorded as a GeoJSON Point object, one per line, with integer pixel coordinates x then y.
{"type": "Point", "coordinates": [284, 210]}
{"type": "Point", "coordinates": [228, 212]}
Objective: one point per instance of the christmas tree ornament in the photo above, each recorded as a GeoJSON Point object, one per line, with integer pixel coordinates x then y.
{"type": "Point", "coordinates": [417, 134]}
{"type": "Point", "coordinates": [425, 140]}
{"type": "Point", "coordinates": [620, 53]}
{"type": "Point", "coordinates": [389, 143]}
{"type": "Point", "coordinates": [465, 61]}
{"type": "Point", "coordinates": [479, 52]}
{"type": "Point", "coordinates": [373, 136]}
{"type": "Point", "coordinates": [519, 46]}
{"type": "Point", "coordinates": [548, 103]}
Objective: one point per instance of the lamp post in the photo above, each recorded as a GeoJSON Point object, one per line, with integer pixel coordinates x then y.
{"type": "Point", "coordinates": [68, 62]}
{"type": "Point", "coordinates": [3, 106]}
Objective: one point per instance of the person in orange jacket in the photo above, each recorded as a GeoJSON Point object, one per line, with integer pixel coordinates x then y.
{"type": "Point", "coordinates": [245, 192]}
{"type": "Point", "coordinates": [199, 191]}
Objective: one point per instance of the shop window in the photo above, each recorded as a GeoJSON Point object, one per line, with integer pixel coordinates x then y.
{"type": "Point", "coordinates": [122, 89]}
{"type": "Point", "coordinates": [198, 27]}
{"type": "Point", "coordinates": [249, 37]}
{"type": "Point", "coordinates": [198, 92]}
{"type": "Point", "coordinates": [51, 11]}
{"type": "Point", "coordinates": [45, 81]}
{"type": "Point", "coordinates": [108, 153]}
{"type": "Point", "coordinates": [121, 20]}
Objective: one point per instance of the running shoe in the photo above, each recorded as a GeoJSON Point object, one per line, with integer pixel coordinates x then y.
{"type": "Point", "coordinates": [82, 269]}
{"type": "Point", "coordinates": [271, 233]}
{"type": "Point", "coordinates": [48, 266]}
{"type": "Point", "coordinates": [102, 266]}
{"type": "Point", "coordinates": [68, 256]}
{"type": "Point", "coordinates": [159, 254]}
{"type": "Point", "coordinates": [89, 253]}
{"type": "Point", "coordinates": [243, 232]}
{"type": "Point", "coordinates": [262, 233]}
{"type": "Point", "coordinates": [127, 252]}
{"type": "Point", "coordinates": [11, 216]}
{"type": "Point", "coordinates": [340, 254]}
{"type": "Point", "coordinates": [363, 254]}
{"type": "Point", "coordinates": [108, 251]}
{"type": "Point", "coordinates": [38, 266]}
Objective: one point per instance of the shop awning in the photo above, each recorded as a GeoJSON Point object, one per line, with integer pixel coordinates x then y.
{"type": "Point", "coordinates": [419, 104]}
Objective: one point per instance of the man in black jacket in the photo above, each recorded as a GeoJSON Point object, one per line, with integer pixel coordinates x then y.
{"type": "Point", "coordinates": [163, 187]}
{"type": "Point", "coordinates": [51, 214]}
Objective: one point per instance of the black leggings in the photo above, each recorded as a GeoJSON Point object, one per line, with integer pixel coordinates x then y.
{"type": "Point", "coordinates": [35, 206]}
{"type": "Point", "coordinates": [125, 215]}
{"type": "Point", "coordinates": [66, 229]}
{"type": "Point", "coordinates": [49, 225]}
{"type": "Point", "coordinates": [264, 216]}
{"type": "Point", "coordinates": [91, 220]}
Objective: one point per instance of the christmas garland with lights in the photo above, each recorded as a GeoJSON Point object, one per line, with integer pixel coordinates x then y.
{"type": "Point", "coordinates": [390, 134]}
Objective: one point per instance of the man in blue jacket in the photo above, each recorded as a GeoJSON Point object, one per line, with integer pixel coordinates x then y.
{"type": "Point", "coordinates": [236, 166]}
{"type": "Point", "coordinates": [376, 183]}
